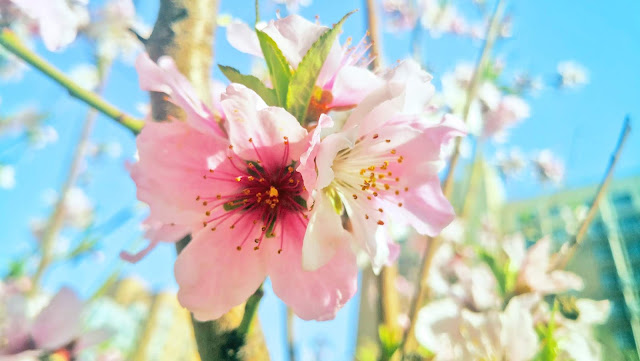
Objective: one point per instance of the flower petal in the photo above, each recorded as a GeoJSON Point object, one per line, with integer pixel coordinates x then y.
{"type": "Point", "coordinates": [214, 276]}
{"type": "Point", "coordinates": [243, 38]}
{"type": "Point", "coordinates": [169, 176]}
{"type": "Point", "coordinates": [313, 295]}
{"type": "Point", "coordinates": [165, 77]}
{"type": "Point", "coordinates": [59, 323]}
{"type": "Point", "coordinates": [324, 235]}
{"type": "Point", "coordinates": [251, 124]}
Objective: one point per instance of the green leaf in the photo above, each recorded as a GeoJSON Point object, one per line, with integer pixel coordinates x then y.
{"type": "Point", "coordinates": [251, 82]}
{"type": "Point", "coordinates": [279, 68]}
{"type": "Point", "coordinates": [304, 78]}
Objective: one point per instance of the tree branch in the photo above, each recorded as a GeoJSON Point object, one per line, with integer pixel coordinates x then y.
{"type": "Point", "coordinates": [565, 255]}
{"type": "Point", "coordinates": [13, 44]}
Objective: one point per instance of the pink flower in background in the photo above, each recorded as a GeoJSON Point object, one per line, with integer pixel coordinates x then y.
{"type": "Point", "coordinates": [535, 275]}
{"type": "Point", "coordinates": [401, 14]}
{"type": "Point", "coordinates": [58, 20]}
{"type": "Point", "coordinates": [549, 167]}
{"type": "Point", "coordinates": [344, 79]}
{"type": "Point", "coordinates": [242, 200]}
{"type": "Point", "coordinates": [56, 329]}
{"type": "Point", "coordinates": [382, 166]}
{"type": "Point", "coordinates": [510, 111]}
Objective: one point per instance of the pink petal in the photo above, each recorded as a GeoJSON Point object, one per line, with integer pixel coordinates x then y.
{"type": "Point", "coordinates": [59, 323]}
{"type": "Point", "coordinates": [352, 85]}
{"type": "Point", "coordinates": [165, 77]}
{"type": "Point", "coordinates": [425, 207]}
{"type": "Point", "coordinates": [307, 167]}
{"type": "Point", "coordinates": [156, 232]}
{"type": "Point", "coordinates": [251, 124]}
{"type": "Point", "coordinates": [169, 176]}
{"type": "Point", "coordinates": [214, 276]}
{"type": "Point", "coordinates": [313, 295]}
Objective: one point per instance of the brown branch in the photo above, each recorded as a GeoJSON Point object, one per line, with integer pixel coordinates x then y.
{"type": "Point", "coordinates": [565, 255]}
{"type": "Point", "coordinates": [374, 34]}
{"type": "Point", "coordinates": [447, 188]}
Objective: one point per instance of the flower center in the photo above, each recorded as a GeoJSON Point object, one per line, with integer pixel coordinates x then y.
{"type": "Point", "coordinates": [265, 195]}
{"type": "Point", "coordinates": [369, 171]}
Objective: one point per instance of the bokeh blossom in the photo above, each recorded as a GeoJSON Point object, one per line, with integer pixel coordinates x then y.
{"type": "Point", "coordinates": [57, 21]}
{"type": "Point", "coordinates": [572, 74]}
{"type": "Point", "coordinates": [548, 167]}
{"type": "Point", "coordinates": [56, 330]}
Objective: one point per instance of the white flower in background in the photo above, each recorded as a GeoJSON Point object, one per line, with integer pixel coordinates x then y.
{"type": "Point", "coordinates": [441, 17]}
{"type": "Point", "coordinates": [511, 163]}
{"type": "Point", "coordinates": [453, 332]}
{"type": "Point", "coordinates": [57, 21]}
{"type": "Point", "coordinates": [549, 167]}
{"type": "Point", "coordinates": [112, 31]}
{"type": "Point", "coordinates": [78, 208]}
{"type": "Point", "coordinates": [7, 177]}
{"type": "Point", "coordinates": [293, 5]}
{"type": "Point", "coordinates": [572, 74]}
{"type": "Point", "coordinates": [401, 14]}
{"type": "Point", "coordinates": [42, 136]}
{"type": "Point", "coordinates": [85, 75]}
{"type": "Point", "coordinates": [576, 340]}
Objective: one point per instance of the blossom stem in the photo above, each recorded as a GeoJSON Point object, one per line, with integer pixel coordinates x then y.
{"type": "Point", "coordinates": [374, 34]}
{"type": "Point", "coordinates": [13, 44]}
{"type": "Point", "coordinates": [569, 250]}
{"type": "Point", "coordinates": [447, 187]}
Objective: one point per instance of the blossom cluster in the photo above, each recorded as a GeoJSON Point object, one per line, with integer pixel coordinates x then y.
{"type": "Point", "coordinates": [491, 301]}
{"type": "Point", "coordinates": [290, 182]}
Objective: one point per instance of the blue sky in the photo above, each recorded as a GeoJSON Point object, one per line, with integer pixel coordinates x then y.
{"type": "Point", "coordinates": [581, 126]}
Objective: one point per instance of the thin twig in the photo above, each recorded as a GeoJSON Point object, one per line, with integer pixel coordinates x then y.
{"type": "Point", "coordinates": [56, 221]}
{"type": "Point", "coordinates": [374, 34]}
{"type": "Point", "coordinates": [434, 242]}
{"type": "Point", "coordinates": [290, 339]}
{"type": "Point", "coordinates": [13, 44]}
{"type": "Point", "coordinates": [565, 256]}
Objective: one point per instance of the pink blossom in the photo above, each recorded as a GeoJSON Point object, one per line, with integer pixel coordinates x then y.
{"type": "Point", "coordinates": [56, 329]}
{"type": "Point", "coordinates": [58, 20]}
{"type": "Point", "coordinates": [535, 274]}
{"type": "Point", "coordinates": [383, 165]}
{"type": "Point", "coordinates": [510, 111]}
{"type": "Point", "coordinates": [240, 197]}
{"type": "Point", "coordinates": [401, 13]}
{"type": "Point", "coordinates": [344, 78]}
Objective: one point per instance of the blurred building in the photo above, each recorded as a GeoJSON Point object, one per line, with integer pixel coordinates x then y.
{"type": "Point", "coordinates": [607, 258]}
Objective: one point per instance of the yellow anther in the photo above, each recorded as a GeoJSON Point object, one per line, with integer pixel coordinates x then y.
{"type": "Point", "coordinates": [273, 192]}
